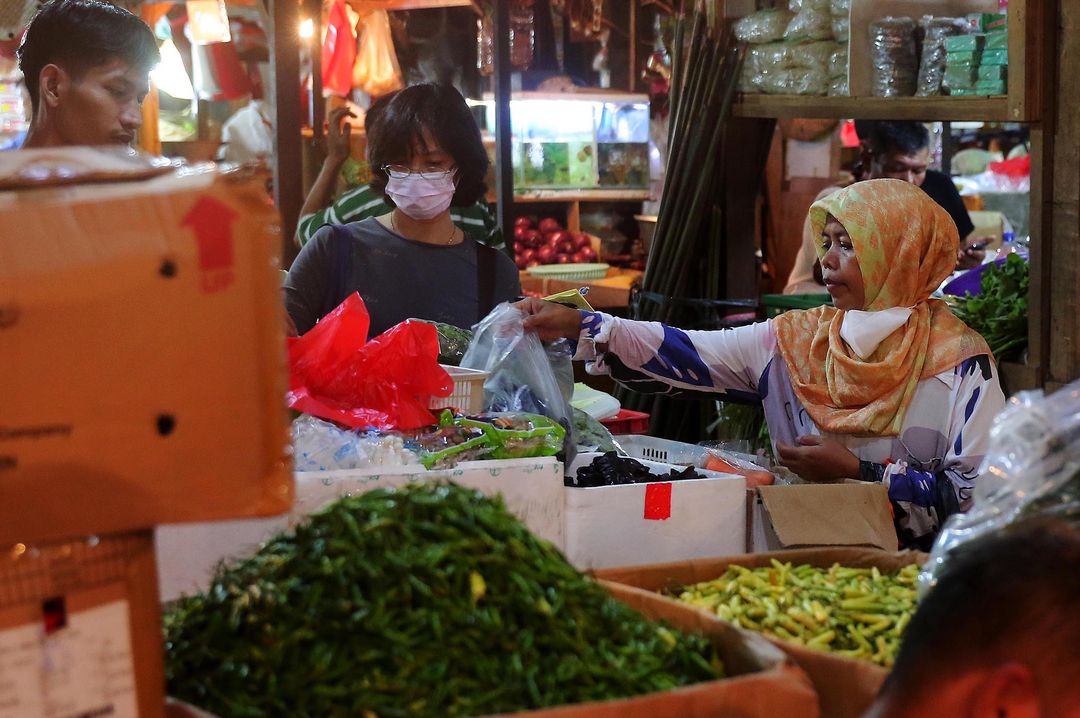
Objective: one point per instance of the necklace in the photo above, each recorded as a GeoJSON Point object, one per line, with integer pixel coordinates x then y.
{"type": "Point", "coordinates": [449, 240]}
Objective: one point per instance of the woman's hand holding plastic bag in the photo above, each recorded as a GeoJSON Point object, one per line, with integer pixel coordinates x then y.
{"type": "Point", "coordinates": [522, 377]}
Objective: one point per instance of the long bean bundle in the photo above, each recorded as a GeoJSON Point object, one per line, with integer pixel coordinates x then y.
{"type": "Point", "coordinates": [431, 600]}
{"type": "Point", "coordinates": [683, 281]}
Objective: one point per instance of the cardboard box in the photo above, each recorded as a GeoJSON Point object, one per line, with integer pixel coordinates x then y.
{"type": "Point", "coordinates": [80, 629]}
{"type": "Point", "coordinates": [188, 554]}
{"type": "Point", "coordinates": [846, 687]}
{"type": "Point", "coordinates": [654, 522]}
{"type": "Point", "coordinates": [761, 681]}
{"type": "Point", "coordinates": [803, 515]}
{"type": "Point", "coordinates": [142, 362]}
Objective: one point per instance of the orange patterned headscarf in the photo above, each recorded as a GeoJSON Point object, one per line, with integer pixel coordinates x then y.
{"type": "Point", "coordinates": [906, 246]}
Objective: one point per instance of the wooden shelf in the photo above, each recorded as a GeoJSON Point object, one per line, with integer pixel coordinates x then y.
{"type": "Point", "coordinates": [578, 195]}
{"type": "Point", "coordinates": [987, 109]}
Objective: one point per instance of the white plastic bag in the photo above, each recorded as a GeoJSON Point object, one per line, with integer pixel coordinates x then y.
{"type": "Point", "coordinates": [810, 23]}
{"type": "Point", "coordinates": [376, 71]}
{"type": "Point", "coordinates": [762, 26]}
{"type": "Point", "coordinates": [1032, 470]}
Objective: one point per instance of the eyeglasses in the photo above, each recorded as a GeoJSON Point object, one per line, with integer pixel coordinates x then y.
{"type": "Point", "coordinates": [429, 173]}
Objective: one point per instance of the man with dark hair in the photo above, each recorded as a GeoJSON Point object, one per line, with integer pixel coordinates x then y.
{"type": "Point", "coordinates": [894, 150]}
{"type": "Point", "coordinates": [997, 636]}
{"type": "Point", "coordinates": [85, 64]}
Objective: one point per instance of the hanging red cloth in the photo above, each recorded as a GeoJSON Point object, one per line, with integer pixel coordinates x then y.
{"type": "Point", "coordinates": [338, 52]}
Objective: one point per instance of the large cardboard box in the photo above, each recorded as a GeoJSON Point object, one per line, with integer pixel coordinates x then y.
{"type": "Point", "coordinates": [80, 629]}
{"type": "Point", "coordinates": [849, 514]}
{"type": "Point", "coordinates": [846, 687]}
{"type": "Point", "coordinates": [188, 553]}
{"type": "Point", "coordinates": [142, 358]}
{"type": "Point", "coordinates": [761, 681]}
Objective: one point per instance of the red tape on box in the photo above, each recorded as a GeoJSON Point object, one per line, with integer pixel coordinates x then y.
{"type": "Point", "coordinates": [657, 502]}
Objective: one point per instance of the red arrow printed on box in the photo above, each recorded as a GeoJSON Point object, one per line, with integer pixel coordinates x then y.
{"type": "Point", "coordinates": [211, 220]}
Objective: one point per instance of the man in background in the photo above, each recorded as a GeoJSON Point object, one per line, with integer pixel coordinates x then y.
{"type": "Point", "coordinates": [997, 636]}
{"type": "Point", "coordinates": [86, 66]}
{"type": "Point", "coordinates": [893, 150]}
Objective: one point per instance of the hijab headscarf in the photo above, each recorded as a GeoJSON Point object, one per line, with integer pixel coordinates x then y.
{"type": "Point", "coordinates": [906, 246]}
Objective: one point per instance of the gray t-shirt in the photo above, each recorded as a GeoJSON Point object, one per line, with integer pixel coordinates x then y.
{"type": "Point", "coordinates": [397, 278]}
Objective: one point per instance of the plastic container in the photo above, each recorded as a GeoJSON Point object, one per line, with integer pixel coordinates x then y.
{"type": "Point", "coordinates": [468, 392]}
{"type": "Point", "coordinates": [651, 448]}
{"type": "Point", "coordinates": [778, 303]}
{"type": "Point", "coordinates": [569, 272]}
{"type": "Point", "coordinates": [627, 421]}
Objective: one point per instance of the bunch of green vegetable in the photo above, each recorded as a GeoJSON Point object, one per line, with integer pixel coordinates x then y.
{"type": "Point", "coordinates": [854, 612]}
{"type": "Point", "coordinates": [1000, 312]}
{"type": "Point", "coordinates": [430, 600]}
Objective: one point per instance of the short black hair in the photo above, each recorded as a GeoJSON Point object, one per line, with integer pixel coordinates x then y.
{"type": "Point", "coordinates": [880, 137]}
{"type": "Point", "coordinates": [80, 34]}
{"type": "Point", "coordinates": [441, 110]}
{"type": "Point", "coordinates": [1012, 596]}
{"type": "Point", "coordinates": [375, 110]}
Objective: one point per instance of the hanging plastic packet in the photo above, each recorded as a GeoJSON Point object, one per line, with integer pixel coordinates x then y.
{"type": "Point", "coordinates": [1033, 470]}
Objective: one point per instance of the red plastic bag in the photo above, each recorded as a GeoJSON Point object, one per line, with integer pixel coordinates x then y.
{"type": "Point", "coordinates": [336, 374]}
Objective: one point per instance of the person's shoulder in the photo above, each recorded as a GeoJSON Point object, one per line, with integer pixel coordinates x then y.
{"type": "Point", "coordinates": [938, 181]}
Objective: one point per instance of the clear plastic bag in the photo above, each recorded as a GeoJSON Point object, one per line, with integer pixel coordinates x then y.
{"type": "Point", "coordinates": [321, 446]}
{"type": "Point", "coordinates": [376, 71]}
{"type": "Point", "coordinates": [894, 57]}
{"type": "Point", "coordinates": [840, 7]}
{"type": "Point", "coordinates": [762, 26]}
{"type": "Point", "coordinates": [813, 55]}
{"type": "Point", "coordinates": [1033, 469]}
{"type": "Point", "coordinates": [841, 28]}
{"type": "Point", "coordinates": [798, 81]}
{"type": "Point", "coordinates": [932, 63]}
{"type": "Point", "coordinates": [522, 376]}
{"type": "Point", "coordinates": [838, 62]}
{"type": "Point", "coordinates": [809, 24]}
{"type": "Point", "coordinates": [800, 5]}
{"type": "Point", "coordinates": [838, 87]}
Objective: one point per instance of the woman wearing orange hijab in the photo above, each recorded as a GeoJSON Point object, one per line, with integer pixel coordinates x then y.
{"type": "Point", "coordinates": [887, 385]}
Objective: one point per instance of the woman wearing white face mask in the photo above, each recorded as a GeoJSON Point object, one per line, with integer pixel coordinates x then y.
{"type": "Point", "coordinates": [413, 261]}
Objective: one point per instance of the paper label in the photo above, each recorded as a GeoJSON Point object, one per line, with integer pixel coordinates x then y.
{"type": "Point", "coordinates": [75, 664]}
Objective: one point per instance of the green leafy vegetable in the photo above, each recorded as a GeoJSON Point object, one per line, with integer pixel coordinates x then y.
{"type": "Point", "coordinates": [1000, 312]}
{"type": "Point", "coordinates": [430, 600]}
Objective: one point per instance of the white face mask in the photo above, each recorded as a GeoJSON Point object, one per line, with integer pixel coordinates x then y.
{"type": "Point", "coordinates": [420, 198]}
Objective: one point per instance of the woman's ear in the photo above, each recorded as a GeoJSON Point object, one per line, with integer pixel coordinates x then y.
{"type": "Point", "coordinates": [52, 84]}
{"type": "Point", "coordinates": [1007, 691]}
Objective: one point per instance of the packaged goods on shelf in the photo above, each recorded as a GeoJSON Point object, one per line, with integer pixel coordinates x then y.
{"type": "Point", "coordinates": [992, 72]}
{"type": "Point", "coordinates": [995, 57]}
{"type": "Point", "coordinates": [762, 26]}
{"type": "Point", "coordinates": [958, 77]}
{"type": "Point", "coordinates": [936, 32]}
{"type": "Point", "coordinates": [840, 7]}
{"type": "Point", "coordinates": [841, 28]}
{"type": "Point", "coordinates": [971, 58]}
{"type": "Point", "coordinates": [800, 5]}
{"type": "Point", "coordinates": [810, 23]}
{"type": "Point", "coordinates": [997, 40]}
{"type": "Point", "coordinates": [894, 57]}
{"type": "Point", "coordinates": [838, 87]}
{"type": "Point", "coordinates": [987, 21]}
{"type": "Point", "coordinates": [814, 55]}
{"type": "Point", "coordinates": [838, 61]}
{"type": "Point", "coordinates": [964, 43]}
{"type": "Point", "coordinates": [794, 82]}
{"type": "Point", "coordinates": [991, 87]}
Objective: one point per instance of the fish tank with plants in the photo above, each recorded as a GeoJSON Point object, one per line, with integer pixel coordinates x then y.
{"type": "Point", "coordinates": [583, 141]}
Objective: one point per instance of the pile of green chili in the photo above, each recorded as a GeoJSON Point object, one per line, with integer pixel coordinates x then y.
{"type": "Point", "coordinates": [431, 600]}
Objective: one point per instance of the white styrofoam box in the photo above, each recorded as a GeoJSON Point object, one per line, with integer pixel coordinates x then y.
{"type": "Point", "coordinates": [656, 522]}
{"type": "Point", "coordinates": [188, 553]}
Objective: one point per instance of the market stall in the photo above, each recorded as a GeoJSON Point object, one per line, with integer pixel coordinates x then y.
{"type": "Point", "coordinates": [440, 521]}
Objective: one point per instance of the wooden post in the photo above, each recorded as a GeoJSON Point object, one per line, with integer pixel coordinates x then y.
{"type": "Point", "coordinates": [747, 144]}
{"type": "Point", "coordinates": [288, 169]}
{"type": "Point", "coordinates": [504, 168]}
